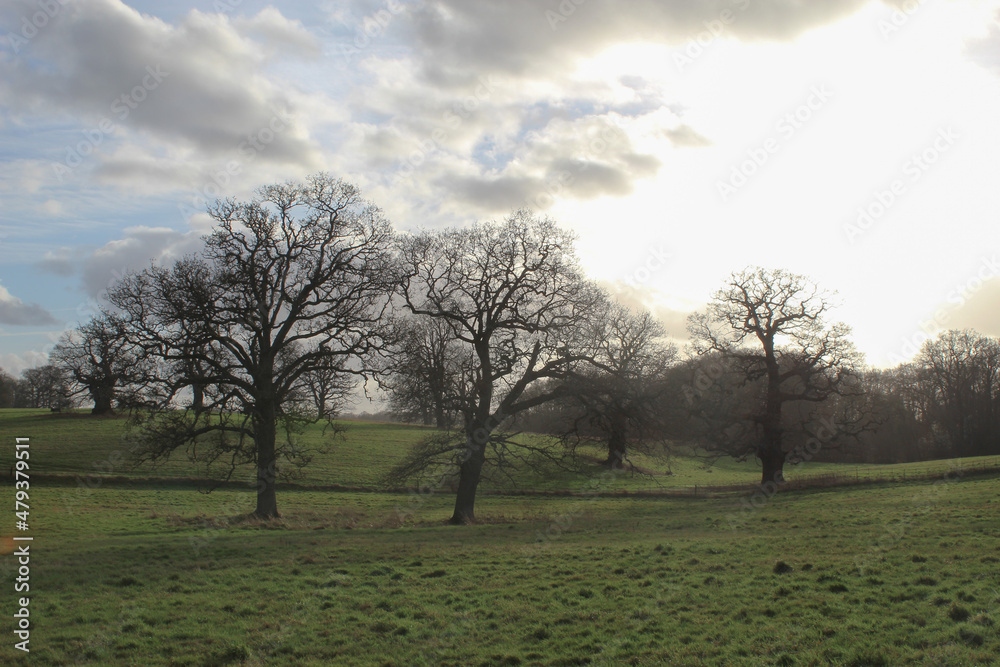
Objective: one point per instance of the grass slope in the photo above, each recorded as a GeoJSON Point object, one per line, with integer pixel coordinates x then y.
{"type": "Point", "coordinates": [77, 444]}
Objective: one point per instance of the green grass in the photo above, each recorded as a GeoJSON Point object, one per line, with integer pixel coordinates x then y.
{"type": "Point", "coordinates": [77, 444]}
{"type": "Point", "coordinates": [170, 576]}
{"type": "Point", "coordinates": [886, 574]}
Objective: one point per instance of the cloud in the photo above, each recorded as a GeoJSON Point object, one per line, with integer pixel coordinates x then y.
{"type": "Point", "coordinates": [583, 158]}
{"type": "Point", "coordinates": [197, 90]}
{"type": "Point", "coordinates": [138, 248]}
{"type": "Point", "coordinates": [15, 364]}
{"type": "Point", "coordinates": [15, 312]}
{"type": "Point", "coordinates": [641, 298]}
{"type": "Point", "coordinates": [278, 33]}
{"type": "Point", "coordinates": [458, 39]}
{"type": "Point", "coordinates": [978, 310]}
{"type": "Point", "coordinates": [685, 136]}
{"type": "Point", "coordinates": [986, 50]}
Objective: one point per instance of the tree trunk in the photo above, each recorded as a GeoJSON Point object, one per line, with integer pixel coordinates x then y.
{"type": "Point", "coordinates": [468, 481]}
{"type": "Point", "coordinates": [197, 396]}
{"type": "Point", "coordinates": [772, 457]}
{"type": "Point", "coordinates": [439, 417]}
{"type": "Point", "coordinates": [265, 430]}
{"type": "Point", "coordinates": [772, 465]}
{"type": "Point", "coordinates": [102, 397]}
{"type": "Point", "coordinates": [616, 448]}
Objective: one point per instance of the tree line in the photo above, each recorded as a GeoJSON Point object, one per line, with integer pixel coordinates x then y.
{"type": "Point", "coordinates": [304, 292]}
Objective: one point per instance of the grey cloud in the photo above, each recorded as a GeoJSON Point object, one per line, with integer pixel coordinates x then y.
{"type": "Point", "coordinates": [99, 267]}
{"type": "Point", "coordinates": [587, 180]}
{"type": "Point", "coordinates": [196, 84]}
{"type": "Point", "coordinates": [13, 311]}
{"type": "Point", "coordinates": [685, 136]}
{"type": "Point", "coordinates": [582, 159]}
{"type": "Point", "coordinates": [565, 177]}
{"type": "Point", "coordinates": [279, 33]}
{"type": "Point", "coordinates": [494, 194]}
{"type": "Point", "coordinates": [58, 264]}
{"type": "Point", "coordinates": [459, 38]}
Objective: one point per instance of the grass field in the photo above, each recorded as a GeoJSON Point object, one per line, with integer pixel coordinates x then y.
{"type": "Point", "coordinates": [75, 444]}
{"type": "Point", "coordinates": [885, 574]}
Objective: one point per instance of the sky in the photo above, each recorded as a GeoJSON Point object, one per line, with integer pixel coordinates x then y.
{"type": "Point", "coordinates": [851, 141]}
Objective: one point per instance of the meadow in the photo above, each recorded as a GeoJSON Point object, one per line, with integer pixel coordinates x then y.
{"type": "Point", "coordinates": [123, 572]}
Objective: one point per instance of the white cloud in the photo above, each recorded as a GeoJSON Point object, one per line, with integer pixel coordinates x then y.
{"type": "Point", "coordinates": [279, 34]}
{"type": "Point", "coordinates": [15, 363]}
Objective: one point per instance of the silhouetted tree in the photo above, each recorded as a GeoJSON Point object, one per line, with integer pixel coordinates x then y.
{"type": "Point", "coordinates": [100, 361]}
{"type": "Point", "coordinates": [768, 327]}
{"type": "Point", "coordinates": [44, 387]}
{"type": "Point", "coordinates": [959, 373]}
{"type": "Point", "coordinates": [514, 300]}
{"type": "Point", "coordinates": [424, 371]}
{"type": "Point", "coordinates": [326, 388]}
{"type": "Point", "coordinates": [290, 283]}
{"type": "Point", "coordinates": [8, 389]}
{"type": "Point", "coordinates": [620, 395]}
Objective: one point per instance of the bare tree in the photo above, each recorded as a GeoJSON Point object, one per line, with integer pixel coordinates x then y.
{"type": "Point", "coordinates": [290, 283]}
{"type": "Point", "coordinates": [44, 387]}
{"type": "Point", "coordinates": [620, 395]}
{"type": "Point", "coordinates": [959, 373]}
{"type": "Point", "coordinates": [100, 361]}
{"type": "Point", "coordinates": [768, 327]}
{"type": "Point", "coordinates": [424, 371]}
{"type": "Point", "coordinates": [8, 389]}
{"type": "Point", "coordinates": [514, 299]}
{"type": "Point", "coordinates": [327, 388]}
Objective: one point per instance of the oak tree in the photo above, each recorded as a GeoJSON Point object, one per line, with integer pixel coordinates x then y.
{"type": "Point", "coordinates": [101, 362]}
{"type": "Point", "coordinates": [292, 282]}
{"type": "Point", "coordinates": [619, 396]}
{"type": "Point", "coordinates": [515, 302]}
{"type": "Point", "coordinates": [768, 327]}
